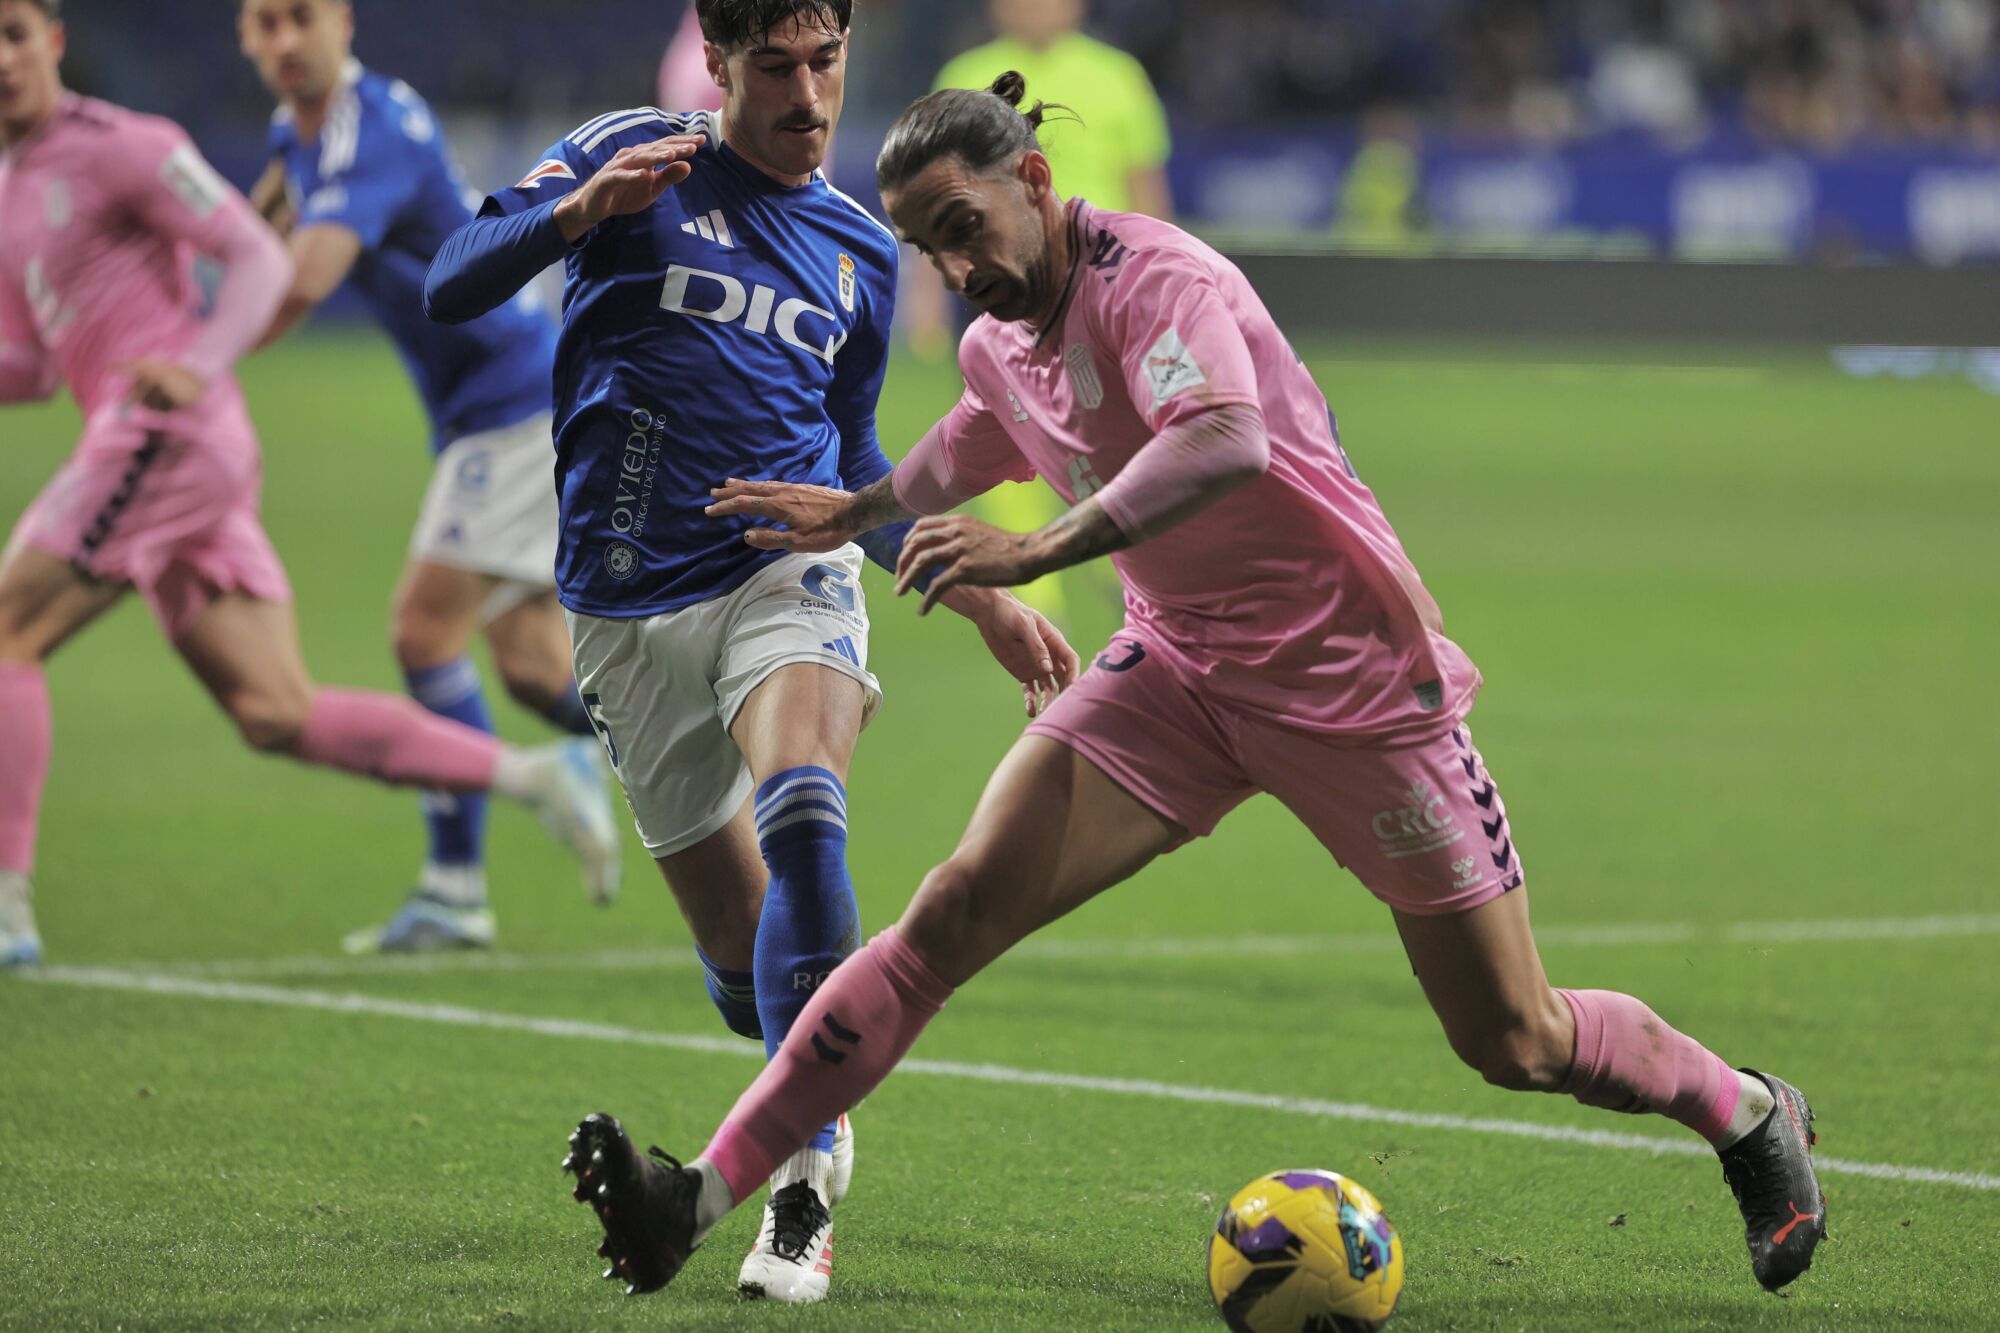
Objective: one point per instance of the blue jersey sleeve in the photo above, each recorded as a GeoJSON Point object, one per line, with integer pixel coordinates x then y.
{"type": "Point", "coordinates": [484, 263]}
{"type": "Point", "coordinates": [561, 170]}
{"type": "Point", "coordinates": [367, 179]}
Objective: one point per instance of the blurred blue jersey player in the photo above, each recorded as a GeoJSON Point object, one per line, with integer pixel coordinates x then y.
{"type": "Point", "coordinates": [362, 181]}
{"type": "Point", "coordinates": [726, 314]}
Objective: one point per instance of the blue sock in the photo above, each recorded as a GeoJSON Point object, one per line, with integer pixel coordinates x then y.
{"type": "Point", "coordinates": [809, 922]}
{"type": "Point", "coordinates": [569, 714]}
{"type": "Point", "coordinates": [457, 820]}
{"type": "Point", "coordinates": [735, 996]}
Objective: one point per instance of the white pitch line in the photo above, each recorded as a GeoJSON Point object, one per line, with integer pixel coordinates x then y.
{"type": "Point", "coordinates": [1856, 930]}
{"type": "Point", "coordinates": [459, 1016]}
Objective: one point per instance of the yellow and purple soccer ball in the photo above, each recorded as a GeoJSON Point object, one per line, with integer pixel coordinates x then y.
{"type": "Point", "coordinates": [1304, 1252]}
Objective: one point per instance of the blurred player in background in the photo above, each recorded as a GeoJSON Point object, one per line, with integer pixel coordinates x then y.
{"type": "Point", "coordinates": [363, 181]}
{"type": "Point", "coordinates": [685, 83]}
{"type": "Point", "coordinates": [727, 314]}
{"type": "Point", "coordinates": [103, 212]}
{"type": "Point", "coordinates": [1116, 157]}
{"type": "Point", "coordinates": [1278, 639]}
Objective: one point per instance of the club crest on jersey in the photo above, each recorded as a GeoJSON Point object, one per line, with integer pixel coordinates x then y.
{"type": "Point", "coordinates": [549, 170]}
{"type": "Point", "coordinates": [847, 283]}
{"type": "Point", "coordinates": [57, 206]}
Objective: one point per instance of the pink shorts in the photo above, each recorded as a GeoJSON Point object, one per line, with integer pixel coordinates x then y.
{"type": "Point", "coordinates": [166, 504]}
{"type": "Point", "coordinates": [1420, 823]}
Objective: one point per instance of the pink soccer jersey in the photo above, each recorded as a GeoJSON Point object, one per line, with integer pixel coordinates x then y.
{"type": "Point", "coordinates": [1292, 596]}
{"type": "Point", "coordinates": [102, 212]}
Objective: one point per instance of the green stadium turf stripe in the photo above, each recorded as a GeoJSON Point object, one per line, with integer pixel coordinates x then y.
{"type": "Point", "coordinates": [153, 983]}
{"type": "Point", "coordinates": [1858, 930]}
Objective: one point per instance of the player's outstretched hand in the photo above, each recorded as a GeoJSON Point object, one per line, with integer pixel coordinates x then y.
{"type": "Point", "coordinates": [163, 386]}
{"type": "Point", "coordinates": [957, 550]}
{"type": "Point", "coordinates": [815, 518]}
{"type": "Point", "coordinates": [1033, 650]}
{"type": "Point", "coordinates": [631, 182]}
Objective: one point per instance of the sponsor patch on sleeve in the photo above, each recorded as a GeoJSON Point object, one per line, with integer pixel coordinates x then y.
{"type": "Point", "coordinates": [1171, 369]}
{"type": "Point", "coordinates": [549, 170]}
{"type": "Point", "coordinates": [193, 181]}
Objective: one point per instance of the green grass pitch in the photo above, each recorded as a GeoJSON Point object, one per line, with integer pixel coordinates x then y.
{"type": "Point", "coordinates": [1738, 618]}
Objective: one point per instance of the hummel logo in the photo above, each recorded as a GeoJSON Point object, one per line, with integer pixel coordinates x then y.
{"type": "Point", "coordinates": [840, 1034]}
{"type": "Point", "coordinates": [711, 227]}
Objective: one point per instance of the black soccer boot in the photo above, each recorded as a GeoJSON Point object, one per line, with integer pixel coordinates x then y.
{"type": "Point", "coordinates": [647, 1206]}
{"type": "Point", "coordinates": [1771, 1173]}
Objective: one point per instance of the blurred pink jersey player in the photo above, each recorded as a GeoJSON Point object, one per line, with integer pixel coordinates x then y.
{"type": "Point", "coordinates": [102, 213]}
{"type": "Point", "coordinates": [685, 83]}
{"type": "Point", "coordinates": [1277, 639]}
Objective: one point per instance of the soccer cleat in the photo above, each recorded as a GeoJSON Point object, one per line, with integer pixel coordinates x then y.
{"type": "Point", "coordinates": [20, 943]}
{"type": "Point", "coordinates": [843, 1161]}
{"type": "Point", "coordinates": [426, 924]}
{"type": "Point", "coordinates": [574, 803]}
{"type": "Point", "coordinates": [792, 1261]}
{"type": "Point", "coordinates": [646, 1206]}
{"type": "Point", "coordinates": [1771, 1173]}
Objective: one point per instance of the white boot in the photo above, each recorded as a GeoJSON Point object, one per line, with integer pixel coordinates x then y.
{"type": "Point", "coordinates": [792, 1260]}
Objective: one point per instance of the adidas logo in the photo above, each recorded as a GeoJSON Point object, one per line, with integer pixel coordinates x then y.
{"type": "Point", "coordinates": [711, 227]}
{"type": "Point", "coordinates": [843, 647]}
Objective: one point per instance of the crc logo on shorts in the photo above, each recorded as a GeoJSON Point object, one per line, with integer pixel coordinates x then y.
{"type": "Point", "coordinates": [824, 583]}
{"type": "Point", "coordinates": [1421, 824]}
{"type": "Point", "coordinates": [620, 561]}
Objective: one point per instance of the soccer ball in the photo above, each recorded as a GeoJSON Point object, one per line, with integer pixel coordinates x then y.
{"type": "Point", "coordinates": [1304, 1252]}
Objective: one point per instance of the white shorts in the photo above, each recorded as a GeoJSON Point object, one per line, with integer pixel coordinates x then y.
{"type": "Point", "coordinates": [663, 691]}
{"type": "Point", "coordinates": [491, 506]}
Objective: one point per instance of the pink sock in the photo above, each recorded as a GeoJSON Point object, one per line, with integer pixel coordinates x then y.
{"type": "Point", "coordinates": [26, 735]}
{"type": "Point", "coordinates": [1628, 1059]}
{"type": "Point", "coordinates": [856, 1028]}
{"type": "Point", "coordinates": [388, 737]}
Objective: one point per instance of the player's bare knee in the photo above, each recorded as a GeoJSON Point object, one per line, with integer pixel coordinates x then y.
{"type": "Point", "coordinates": [271, 721]}
{"type": "Point", "coordinates": [532, 685]}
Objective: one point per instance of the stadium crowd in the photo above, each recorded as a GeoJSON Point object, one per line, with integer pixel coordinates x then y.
{"type": "Point", "coordinates": [1821, 74]}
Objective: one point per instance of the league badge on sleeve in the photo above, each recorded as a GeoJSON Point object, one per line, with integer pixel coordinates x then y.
{"type": "Point", "coordinates": [549, 170]}
{"type": "Point", "coordinates": [1171, 369]}
{"type": "Point", "coordinates": [847, 283]}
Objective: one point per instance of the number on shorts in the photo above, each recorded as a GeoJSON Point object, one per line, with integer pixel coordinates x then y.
{"type": "Point", "coordinates": [593, 708]}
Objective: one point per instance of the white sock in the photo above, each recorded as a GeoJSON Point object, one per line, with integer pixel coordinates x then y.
{"type": "Point", "coordinates": [16, 899]}
{"type": "Point", "coordinates": [520, 774]}
{"type": "Point", "coordinates": [456, 886]}
{"type": "Point", "coordinates": [713, 1203]}
{"type": "Point", "coordinates": [1753, 1103]}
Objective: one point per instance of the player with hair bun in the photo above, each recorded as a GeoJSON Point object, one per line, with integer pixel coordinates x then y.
{"type": "Point", "coordinates": [1277, 639]}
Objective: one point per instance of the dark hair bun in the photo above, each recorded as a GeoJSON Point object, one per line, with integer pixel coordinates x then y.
{"type": "Point", "coordinates": [1010, 88]}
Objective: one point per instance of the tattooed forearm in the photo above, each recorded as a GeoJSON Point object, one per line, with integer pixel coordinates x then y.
{"type": "Point", "coordinates": [1084, 533]}
{"type": "Point", "coordinates": [876, 506]}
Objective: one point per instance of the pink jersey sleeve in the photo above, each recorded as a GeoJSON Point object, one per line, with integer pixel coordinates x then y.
{"type": "Point", "coordinates": [966, 454]}
{"type": "Point", "coordinates": [1178, 342]}
{"type": "Point", "coordinates": [175, 193]}
{"type": "Point", "coordinates": [1191, 375]}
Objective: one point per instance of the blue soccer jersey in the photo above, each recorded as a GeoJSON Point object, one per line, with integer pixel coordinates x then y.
{"type": "Point", "coordinates": [380, 168]}
{"type": "Point", "coordinates": [738, 328]}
